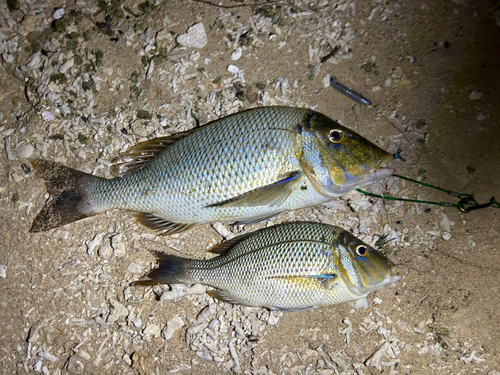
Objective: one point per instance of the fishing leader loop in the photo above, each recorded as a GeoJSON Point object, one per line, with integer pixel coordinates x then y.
{"type": "Point", "coordinates": [466, 204]}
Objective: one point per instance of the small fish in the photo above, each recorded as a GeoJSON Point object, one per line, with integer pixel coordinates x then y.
{"type": "Point", "coordinates": [243, 168]}
{"type": "Point", "coordinates": [293, 266]}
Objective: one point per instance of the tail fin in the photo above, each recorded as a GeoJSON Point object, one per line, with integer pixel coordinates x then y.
{"type": "Point", "coordinates": [66, 187]}
{"type": "Point", "coordinates": [171, 270]}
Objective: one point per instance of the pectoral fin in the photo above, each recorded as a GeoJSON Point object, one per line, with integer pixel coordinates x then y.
{"type": "Point", "coordinates": [327, 281]}
{"type": "Point", "coordinates": [270, 195]}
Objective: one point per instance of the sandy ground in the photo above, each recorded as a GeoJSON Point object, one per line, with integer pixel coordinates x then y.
{"type": "Point", "coordinates": [431, 68]}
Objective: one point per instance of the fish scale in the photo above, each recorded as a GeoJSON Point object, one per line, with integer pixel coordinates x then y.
{"type": "Point", "coordinates": [289, 266]}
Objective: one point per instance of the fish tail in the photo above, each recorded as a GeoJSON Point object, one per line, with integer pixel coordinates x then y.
{"type": "Point", "coordinates": [171, 270]}
{"type": "Point", "coordinates": [67, 188]}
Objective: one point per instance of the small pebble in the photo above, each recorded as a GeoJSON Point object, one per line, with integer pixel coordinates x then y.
{"type": "Point", "coordinates": [118, 246]}
{"type": "Point", "coordinates": [475, 95]}
{"type": "Point", "coordinates": [134, 268]}
{"type": "Point", "coordinates": [38, 366]}
{"type": "Point", "coordinates": [361, 303]}
{"type": "Point", "coordinates": [152, 329]}
{"type": "Point", "coordinates": [233, 69]}
{"type": "Point", "coordinates": [176, 292]}
{"type": "Point", "coordinates": [236, 54]}
{"type": "Point", "coordinates": [49, 357]}
{"type": "Point", "coordinates": [25, 151]}
{"type": "Point", "coordinates": [117, 310]}
{"type": "Point", "coordinates": [48, 116]}
{"type": "Point", "coordinates": [326, 81]}
{"type": "Point", "coordinates": [205, 314]}
{"type": "Point", "coordinates": [172, 325]}
{"type": "Point", "coordinates": [195, 37]}
{"type": "Point", "coordinates": [3, 270]}
{"type": "Point", "coordinates": [137, 322]}
{"type": "Point", "coordinates": [105, 251]}
{"type": "Point", "coordinates": [58, 13]}
{"type": "Point", "coordinates": [84, 355]}
{"type": "Point", "coordinates": [67, 65]}
{"type": "Point", "coordinates": [126, 359]}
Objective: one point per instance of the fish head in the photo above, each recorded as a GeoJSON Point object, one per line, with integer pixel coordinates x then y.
{"type": "Point", "coordinates": [363, 268]}
{"type": "Point", "coordinates": [336, 159]}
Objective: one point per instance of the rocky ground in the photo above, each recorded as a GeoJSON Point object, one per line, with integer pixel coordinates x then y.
{"type": "Point", "coordinates": [82, 81]}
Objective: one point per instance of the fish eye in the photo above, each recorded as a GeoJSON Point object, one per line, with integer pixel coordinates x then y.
{"type": "Point", "coordinates": [336, 136]}
{"type": "Point", "coordinates": [361, 250]}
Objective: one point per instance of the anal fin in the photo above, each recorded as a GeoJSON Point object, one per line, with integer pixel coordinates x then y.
{"type": "Point", "coordinates": [270, 195]}
{"type": "Point", "coordinates": [164, 227]}
{"type": "Point", "coordinates": [225, 297]}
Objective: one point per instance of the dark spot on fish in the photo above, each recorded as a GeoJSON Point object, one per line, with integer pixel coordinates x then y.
{"type": "Point", "coordinates": [298, 129]}
{"type": "Point", "coordinates": [303, 187]}
{"type": "Point", "coordinates": [328, 281]}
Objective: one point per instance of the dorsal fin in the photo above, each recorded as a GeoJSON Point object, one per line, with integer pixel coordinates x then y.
{"type": "Point", "coordinates": [162, 226]}
{"type": "Point", "coordinates": [223, 247]}
{"type": "Point", "coordinates": [139, 155]}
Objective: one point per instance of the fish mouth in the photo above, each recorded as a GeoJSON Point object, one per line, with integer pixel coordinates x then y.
{"type": "Point", "coordinates": [378, 173]}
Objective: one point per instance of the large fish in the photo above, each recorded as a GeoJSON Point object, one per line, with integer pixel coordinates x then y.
{"type": "Point", "coordinates": [292, 266]}
{"type": "Point", "coordinates": [242, 168]}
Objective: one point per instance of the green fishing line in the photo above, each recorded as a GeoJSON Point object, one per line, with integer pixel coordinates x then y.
{"type": "Point", "coordinates": [466, 204]}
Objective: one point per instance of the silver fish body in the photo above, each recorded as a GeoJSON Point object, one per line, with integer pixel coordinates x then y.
{"type": "Point", "coordinates": [245, 167]}
{"type": "Point", "coordinates": [290, 266]}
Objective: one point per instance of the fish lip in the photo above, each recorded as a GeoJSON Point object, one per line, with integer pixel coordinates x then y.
{"type": "Point", "coordinates": [386, 159]}
{"type": "Point", "coordinates": [379, 174]}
